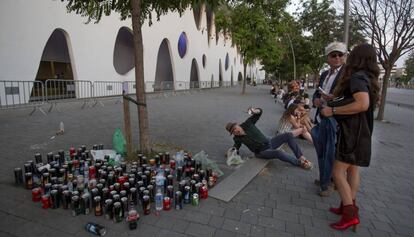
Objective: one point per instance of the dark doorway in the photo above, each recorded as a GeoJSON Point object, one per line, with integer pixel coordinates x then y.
{"type": "Point", "coordinates": [164, 78]}
{"type": "Point", "coordinates": [194, 79]}
{"type": "Point", "coordinates": [220, 74]}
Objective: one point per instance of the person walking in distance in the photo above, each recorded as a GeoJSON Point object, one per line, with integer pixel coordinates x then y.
{"type": "Point", "coordinates": [324, 133]}
{"type": "Point", "coordinates": [359, 90]}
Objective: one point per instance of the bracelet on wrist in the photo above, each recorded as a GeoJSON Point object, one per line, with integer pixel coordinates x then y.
{"type": "Point", "coordinates": [333, 110]}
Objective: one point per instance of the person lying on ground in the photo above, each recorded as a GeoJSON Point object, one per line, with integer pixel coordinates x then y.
{"type": "Point", "coordinates": [263, 147]}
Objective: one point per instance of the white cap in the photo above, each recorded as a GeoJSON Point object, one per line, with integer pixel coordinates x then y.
{"type": "Point", "coordinates": [335, 46]}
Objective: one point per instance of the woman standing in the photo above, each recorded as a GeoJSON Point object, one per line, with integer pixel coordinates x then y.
{"type": "Point", "coordinates": [355, 112]}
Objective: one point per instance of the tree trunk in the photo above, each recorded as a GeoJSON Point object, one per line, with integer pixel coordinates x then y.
{"type": "Point", "coordinates": [144, 142]}
{"type": "Point", "coordinates": [244, 78]}
{"type": "Point", "coordinates": [385, 81]}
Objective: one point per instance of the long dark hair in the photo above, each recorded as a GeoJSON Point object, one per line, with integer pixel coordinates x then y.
{"type": "Point", "coordinates": [362, 58]}
{"type": "Point", "coordinates": [290, 111]}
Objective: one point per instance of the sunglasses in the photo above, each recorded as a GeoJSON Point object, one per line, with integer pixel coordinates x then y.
{"type": "Point", "coordinates": [334, 55]}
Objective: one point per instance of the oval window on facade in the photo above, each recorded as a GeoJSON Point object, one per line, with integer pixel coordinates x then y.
{"type": "Point", "coordinates": [182, 45]}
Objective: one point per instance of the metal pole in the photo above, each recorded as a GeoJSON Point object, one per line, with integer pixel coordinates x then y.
{"type": "Point", "coordinates": [346, 22]}
{"type": "Point", "coordinates": [293, 55]}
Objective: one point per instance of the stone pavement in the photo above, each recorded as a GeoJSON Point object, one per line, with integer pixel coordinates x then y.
{"type": "Point", "coordinates": [281, 201]}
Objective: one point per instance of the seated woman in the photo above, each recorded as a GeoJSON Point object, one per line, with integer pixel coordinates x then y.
{"type": "Point", "coordinates": [304, 117]}
{"type": "Point", "coordinates": [291, 122]}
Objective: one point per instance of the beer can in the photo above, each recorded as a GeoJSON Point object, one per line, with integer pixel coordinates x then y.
{"type": "Point", "coordinates": [139, 156]}
{"type": "Point", "coordinates": [170, 191]}
{"type": "Point", "coordinates": [108, 209]}
{"type": "Point", "coordinates": [49, 157]}
{"type": "Point", "coordinates": [181, 185]}
{"type": "Point", "coordinates": [193, 186]}
{"type": "Point", "coordinates": [86, 203]}
{"type": "Point", "coordinates": [117, 210]}
{"type": "Point", "coordinates": [38, 158]}
{"type": "Point", "coordinates": [172, 164]}
{"type": "Point", "coordinates": [18, 176]}
{"type": "Point", "coordinates": [97, 206]}
{"type": "Point", "coordinates": [170, 179]}
{"type": "Point", "coordinates": [45, 201]}
{"type": "Point", "coordinates": [105, 193]}
{"type": "Point", "coordinates": [123, 193]}
{"type": "Point", "coordinates": [196, 177]}
{"type": "Point", "coordinates": [66, 199]}
{"type": "Point", "coordinates": [144, 180]}
{"type": "Point", "coordinates": [54, 199]}
{"type": "Point", "coordinates": [28, 180]}
{"type": "Point", "coordinates": [187, 195]}
{"type": "Point", "coordinates": [75, 205]}
{"type": "Point", "coordinates": [94, 192]}
{"type": "Point", "coordinates": [95, 147]}
{"type": "Point", "coordinates": [133, 196]}
{"type": "Point", "coordinates": [116, 198]}
{"type": "Point", "coordinates": [203, 192]}
{"type": "Point", "coordinates": [179, 173]}
{"type": "Point", "coordinates": [167, 158]}
{"type": "Point", "coordinates": [151, 192]}
{"type": "Point", "coordinates": [47, 188]}
{"type": "Point", "coordinates": [178, 200]}
{"type": "Point", "coordinates": [124, 203]}
{"type": "Point", "coordinates": [141, 192]}
{"type": "Point", "coordinates": [195, 200]}
{"type": "Point", "coordinates": [36, 195]}
{"type": "Point", "coordinates": [166, 204]}
{"type": "Point", "coordinates": [146, 206]}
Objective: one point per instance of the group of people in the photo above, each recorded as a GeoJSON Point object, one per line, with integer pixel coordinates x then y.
{"type": "Point", "coordinates": [340, 132]}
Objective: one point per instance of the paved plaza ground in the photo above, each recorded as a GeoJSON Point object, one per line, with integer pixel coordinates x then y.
{"type": "Point", "coordinates": [280, 201]}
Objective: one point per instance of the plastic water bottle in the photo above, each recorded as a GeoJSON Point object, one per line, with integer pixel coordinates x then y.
{"type": "Point", "coordinates": [95, 229]}
{"type": "Point", "coordinates": [159, 197]}
{"type": "Point", "coordinates": [159, 180]}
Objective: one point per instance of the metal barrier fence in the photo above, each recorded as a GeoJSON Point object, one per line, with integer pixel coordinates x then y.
{"type": "Point", "coordinates": [103, 89]}
{"type": "Point", "coordinates": [58, 89]}
{"type": "Point", "coordinates": [20, 94]}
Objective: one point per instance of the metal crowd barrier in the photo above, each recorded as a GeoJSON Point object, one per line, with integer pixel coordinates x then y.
{"type": "Point", "coordinates": [106, 89]}
{"type": "Point", "coordinates": [22, 94]}
{"type": "Point", "coordinates": [182, 85]}
{"type": "Point", "coordinates": [58, 91]}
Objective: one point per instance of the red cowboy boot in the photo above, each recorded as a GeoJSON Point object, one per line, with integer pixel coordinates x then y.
{"type": "Point", "coordinates": [338, 210]}
{"type": "Point", "coordinates": [349, 218]}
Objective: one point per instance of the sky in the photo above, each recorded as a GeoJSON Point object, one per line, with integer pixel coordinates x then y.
{"type": "Point", "coordinates": [339, 6]}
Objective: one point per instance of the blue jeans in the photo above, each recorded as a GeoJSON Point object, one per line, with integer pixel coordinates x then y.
{"type": "Point", "coordinates": [324, 139]}
{"type": "Point", "coordinates": [275, 142]}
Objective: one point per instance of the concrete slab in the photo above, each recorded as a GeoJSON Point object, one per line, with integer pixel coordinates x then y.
{"type": "Point", "coordinates": [231, 186]}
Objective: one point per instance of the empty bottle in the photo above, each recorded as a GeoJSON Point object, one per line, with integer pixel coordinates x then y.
{"type": "Point", "coordinates": [95, 229]}
{"type": "Point", "coordinates": [159, 197]}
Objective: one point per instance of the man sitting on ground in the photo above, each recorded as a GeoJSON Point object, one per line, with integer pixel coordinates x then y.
{"type": "Point", "coordinates": [248, 134]}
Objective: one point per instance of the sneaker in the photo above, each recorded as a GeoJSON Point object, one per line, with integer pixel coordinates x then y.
{"type": "Point", "coordinates": [327, 192]}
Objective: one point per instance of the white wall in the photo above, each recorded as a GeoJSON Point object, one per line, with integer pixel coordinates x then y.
{"type": "Point", "coordinates": [26, 25]}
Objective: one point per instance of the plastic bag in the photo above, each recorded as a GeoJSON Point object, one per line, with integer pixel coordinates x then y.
{"type": "Point", "coordinates": [233, 158]}
{"type": "Point", "coordinates": [119, 142]}
{"type": "Point", "coordinates": [207, 163]}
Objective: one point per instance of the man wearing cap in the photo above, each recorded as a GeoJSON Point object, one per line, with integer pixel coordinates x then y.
{"type": "Point", "coordinates": [324, 133]}
{"type": "Point", "coordinates": [248, 134]}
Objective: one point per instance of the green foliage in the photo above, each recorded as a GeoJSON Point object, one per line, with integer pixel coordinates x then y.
{"type": "Point", "coordinates": [409, 66]}
{"type": "Point", "coordinates": [95, 9]}
{"type": "Point", "coordinates": [252, 29]}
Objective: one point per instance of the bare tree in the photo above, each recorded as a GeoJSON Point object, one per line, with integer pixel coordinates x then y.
{"type": "Point", "coordinates": [390, 25]}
